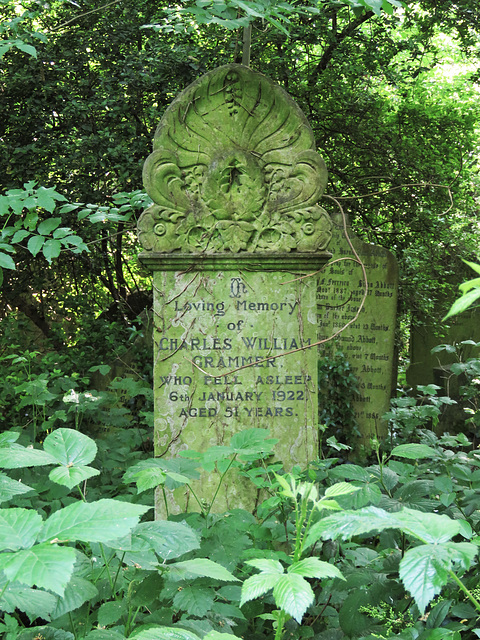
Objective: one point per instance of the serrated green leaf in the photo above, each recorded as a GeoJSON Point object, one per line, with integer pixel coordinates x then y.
{"type": "Point", "coordinates": [352, 472]}
{"type": "Point", "coordinates": [225, 610]}
{"type": "Point", "coordinates": [70, 447]}
{"type": "Point", "coordinates": [46, 566]}
{"type": "Point", "coordinates": [165, 633]}
{"type": "Point", "coordinates": [315, 568]}
{"type": "Point", "coordinates": [196, 600]}
{"type": "Point", "coordinates": [72, 476]}
{"type": "Point", "coordinates": [51, 249]}
{"type": "Point", "coordinates": [463, 303]}
{"type": "Point", "coordinates": [145, 479]}
{"type": "Point", "coordinates": [331, 505]}
{"type": "Point", "coordinates": [424, 570]}
{"type": "Point", "coordinates": [202, 567]}
{"type": "Point", "coordinates": [20, 235]}
{"type": "Point", "coordinates": [35, 244]}
{"type": "Point", "coordinates": [26, 48]}
{"type": "Point", "coordinates": [77, 591]}
{"type": "Point", "coordinates": [8, 437]}
{"type": "Point", "coordinates": [47, 226]}
{"type": "Point", "coordinates": [5, 47]}
{"type": "Point", "coordinates": [427, 527]}
{"type": "Point", "coordinates": [216, 635]}
{"type": "Point", "coordinates": [6, 261]}
{"type": "Point", "coordinates": [45, 633]}
{"type": "Point", "coordinates": [111, 612]}
{"type": "Point", "coordinates": [294, 595]}
{"type": "Point", "coordinates": [470, 284]}
{"type": "Point", "coordinates": [10, 488]}
{"type": "Point", "coordinates": [258, 585]}
{"type": "Point", "coordinates": [350, 523]}
{"type": "Point", "coordinates": [100, 521]}
{"type": "Point", "coordinates": [34, 602]}
{"type": "Point", "coordinates": [252, 441]}
{"type": "Point", "coordinates": [18, 528]}
{"type": "Point", "coordinates": [340, 489]}
{"type": "Point", "coordinates": [414, 451]}
{"type": "Point", "coordinates": [105, 634]}
{"type": "Point", "coordinates": [47, 196]}
{"type": "Point", "coordinates": [14, 456]}
{"type": "Point", "coordinates": [62, 233]}
{"type": "Point", "coordinates": [168, 539]}
{"type": "Point", "coordinates": [473, 265]}
{"type": "Point", "coordinates": [266, 565]}
{"type": "Point", "coordinates": [287, 489]}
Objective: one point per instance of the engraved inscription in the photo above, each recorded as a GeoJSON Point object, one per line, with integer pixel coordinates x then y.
{"type": "Point", "coordinates": [368, 342]}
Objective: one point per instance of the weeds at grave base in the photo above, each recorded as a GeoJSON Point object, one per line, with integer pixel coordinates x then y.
{"type": "Point", "coordinates": [339, 550]}
{"type": "Point", "coordinates": [324, 544]}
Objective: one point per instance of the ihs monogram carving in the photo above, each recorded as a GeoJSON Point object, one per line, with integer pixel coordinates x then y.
{"type": "Point", "coordinates": [234, 168]}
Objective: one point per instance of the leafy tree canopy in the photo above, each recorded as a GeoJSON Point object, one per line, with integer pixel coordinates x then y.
{"type": "Point", "coordinates": [389, 88]}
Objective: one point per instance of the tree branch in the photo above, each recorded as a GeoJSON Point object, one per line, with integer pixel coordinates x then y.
{"type": "Point", "coordinates": [338, 39]}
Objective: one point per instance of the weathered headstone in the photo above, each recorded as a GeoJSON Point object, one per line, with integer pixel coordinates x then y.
{"type": "Point", "coordinates": [368, 343]}
{"type": "Point", "coordinates": [434, 368]}
{"type": "Point", "coordinates": [236, 180]}
{"type": "Point", "coordinates": [427, 367]}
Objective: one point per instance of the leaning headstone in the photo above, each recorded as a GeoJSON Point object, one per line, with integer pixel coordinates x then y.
{"type": "Point", "coordinates": [368, 343]}
{"type": "Point", "coordinates": [236, 180]}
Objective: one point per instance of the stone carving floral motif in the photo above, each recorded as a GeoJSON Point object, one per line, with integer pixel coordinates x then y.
{"type": "Point", "coordinates": [234, 168]}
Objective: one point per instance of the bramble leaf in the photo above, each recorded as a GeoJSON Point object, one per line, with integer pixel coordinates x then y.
{"type": "Point", "coordinates": [424, 570]}
{"type": "Point", "coordinates": [18, 528]}
{"type": "Point", "coordinates": [45, 565]}
{"type": "Point", "coordinates": [99, 521]}
{"type": "Point", "coordinates": [294, 595]}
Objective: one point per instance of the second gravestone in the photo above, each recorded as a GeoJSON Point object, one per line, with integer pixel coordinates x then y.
{"type": "Point", "coordinates": [236, 224]}
{"type": "Point", "coordinates": [368, 343]}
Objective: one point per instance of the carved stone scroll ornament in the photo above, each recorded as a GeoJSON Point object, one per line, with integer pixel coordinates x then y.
{"type": "Point", "coordinates": [234, 168]}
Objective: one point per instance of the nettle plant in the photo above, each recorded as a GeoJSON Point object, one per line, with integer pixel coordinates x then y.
{"type": "Point", "coordinates": [339, 549]}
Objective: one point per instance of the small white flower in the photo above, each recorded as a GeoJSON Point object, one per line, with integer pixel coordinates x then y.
{"type": "Point", "coordinates": [72, 397]}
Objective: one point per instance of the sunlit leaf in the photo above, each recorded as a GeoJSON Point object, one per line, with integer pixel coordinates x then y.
{"type": "Point", "coordinates": [77, 591]}
{"type": "Point", "coordinates": [99, 521]}
{"type": "Point", "coordinates": [71, 476]}
{"type": "Point", "coordinates": [200, 567]}
{"type": "Point", "coordinates": [70, 447]}
{"type": "Point", "coordinates": [18, 528]}
{"type": "Point", "coordinates": [294, 595]}
{"type": "Point", "coordinates": [426, 569]}
{"type": "Point", "coordinates": [46, 566]}
{"type": "Point", "coordinates": [413, 451]}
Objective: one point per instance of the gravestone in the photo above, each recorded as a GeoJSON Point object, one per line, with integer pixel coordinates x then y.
{"type": "Point", "coordinates": [234, 227]}
{"type": "Point", "coordinates": [368, 343]}
{"type": "Point", "coordinates": [432, 368]}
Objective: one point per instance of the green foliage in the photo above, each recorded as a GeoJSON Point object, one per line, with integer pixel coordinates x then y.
{"type": "Point", "coordinates": [81, 115]}
{"type": "Point", "coordinates": [409, 415]}
{"type": "Point", "coordinates": [20, 214]}
{"type": "Point", "coordinates": [324, 553]}
{"type": "Point", "coordinates": [233, 14]}
{"type": "Point", "coordinates": [337, 387]}
{"type": "Point", "coordinates": [470, 293]}
{"type": "Point", "coordinates": [14, 33]}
